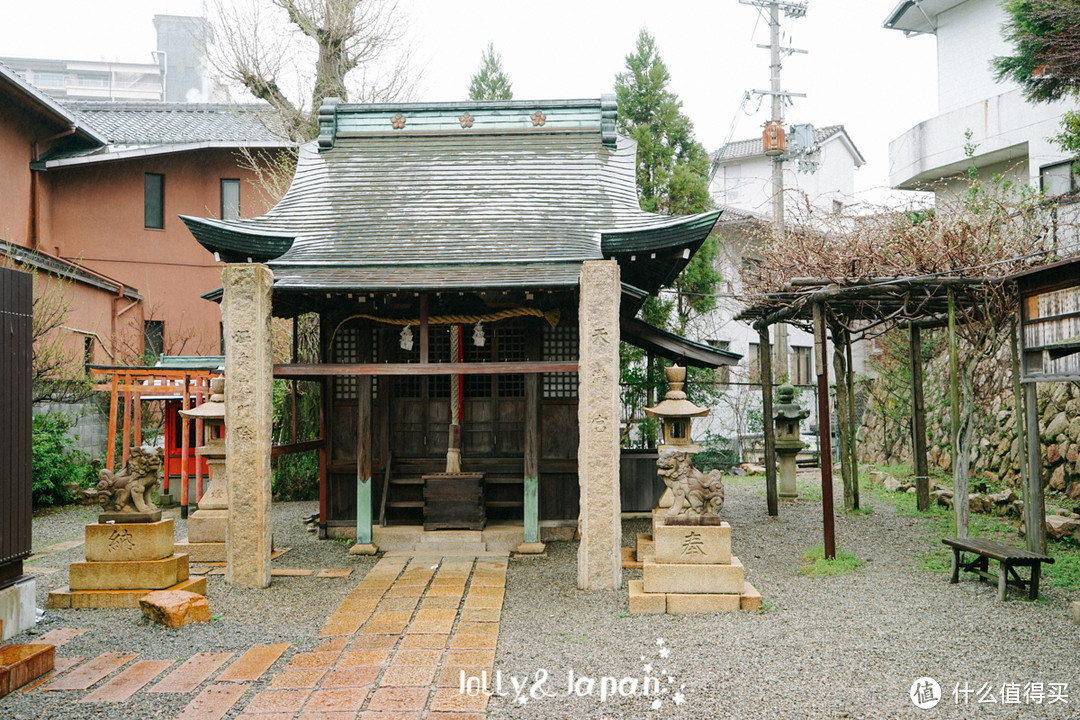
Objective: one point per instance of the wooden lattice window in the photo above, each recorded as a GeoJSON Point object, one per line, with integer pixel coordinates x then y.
{"type": "Point", "coordinates": [510, 347]}
{"type": "Point", "coordinates": [346, 350]}
{"type": "Point", "coordinates": [560, 343]}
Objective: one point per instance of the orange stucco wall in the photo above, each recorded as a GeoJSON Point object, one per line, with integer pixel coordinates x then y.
{"type": "Point", "coordinates": [93, 214]}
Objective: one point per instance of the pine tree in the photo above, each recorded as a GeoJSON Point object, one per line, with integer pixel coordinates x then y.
{"type": "Point", "coordinates": [490, 82]}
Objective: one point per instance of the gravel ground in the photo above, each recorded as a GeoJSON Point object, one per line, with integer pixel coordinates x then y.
{"type": "Point", "coordinates": [839, 647]}
{"type": "Point", "coordinates": [842, 647]}
{"type": "Point", "coordinates": [291, 610]}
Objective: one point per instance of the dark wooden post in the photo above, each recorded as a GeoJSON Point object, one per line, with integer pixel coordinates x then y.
{"type": "Point", "coordinates": [849, 379]}
{"type": "Point", "coordinates": [824, 431]}
{"type": "Point", "coordinates": [363, 458]}
{"type": "Point", "coordinates": [918, 421]}
{"type": "Point", "coordinates": [1035, 543]}
{"type": "Point", "coordinates": [423, 328]}
{"type": "Point", "coordinates": [772, 499]}
{"type": "Point", "coordinates": [531, 488]}
{"type": "Point", "coordinates": [1034, 501]}
{"type": "Point", "coordinates": [960, 494]}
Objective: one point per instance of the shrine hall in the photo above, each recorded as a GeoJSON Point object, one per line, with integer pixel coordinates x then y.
{"type": "Point", "coordinates": [474, 267]}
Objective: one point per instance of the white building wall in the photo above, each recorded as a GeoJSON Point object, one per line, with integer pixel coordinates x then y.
{"type": "Point", "coordinates": [751, 180]}
{"type": "Point", "coordinates": [1007, 131]}
{"type": "Point", "coordinates": [968, 39]}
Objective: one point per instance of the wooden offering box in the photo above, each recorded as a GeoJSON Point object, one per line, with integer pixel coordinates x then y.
{"type": "Point", "coordinates": [454, 501]}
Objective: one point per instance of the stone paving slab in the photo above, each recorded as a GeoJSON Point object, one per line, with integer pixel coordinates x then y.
{"type": "Point", "coordinates": [58, 637]}
{"type": "Point", "coordinates": [297, 679]}
{"type": "Point", "coordinates": [268, 701]}
{"type": "Point", "coordinates": [251, 665]}
{"type": "Point", "coordinates": [60, 664]}
{"type": "Point", "coordinates": [214, 702]}
{"type": "Point", "coordinates": [129, 682]}
{"type": "Point", "coordinates": [192, 673]}
{"type": "Point", "coordinates": [92, 672]}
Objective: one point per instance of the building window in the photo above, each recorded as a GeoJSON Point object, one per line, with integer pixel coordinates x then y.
{"type": "Point", "coordinates": [1058, 179]}
{"type": "Point", "coordinates": [88, 354]}
{"type": "Point", "coordinates": [732, 178]}
{"type": "Point", "coordinates": [802, 367]}
{"type": "Point", "coordinates": [230, 199]}
{"type": "Point", "coordinates": [753, 366]}
{"type": "Point", "coordinates": [154, 201]}
{"type": "Point", "coordinates": [722, 373]}
{"type": "Point", "coordinates": [153, 338]}
{"type": "Point", "coordinates": [50, 79]}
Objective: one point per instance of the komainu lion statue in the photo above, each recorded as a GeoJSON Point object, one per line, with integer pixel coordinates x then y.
{"type": "Point", "coordinates": [128, 491]}
{"type": "Point", "coordinates": [695, 493]}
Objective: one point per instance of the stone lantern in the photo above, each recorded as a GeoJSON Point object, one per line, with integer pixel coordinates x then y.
{"type": "Point", "coordinates": [208, 525]}
{"type": "Point", "coordinates": [675, 411]}
{"type": "Point", "coordinates": [788, 416]}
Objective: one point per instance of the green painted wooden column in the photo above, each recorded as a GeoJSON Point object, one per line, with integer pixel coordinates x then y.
{"type": "Point", "coordinates": [363, 460]}
{"type": "Point", "coordinates": [531, 499]}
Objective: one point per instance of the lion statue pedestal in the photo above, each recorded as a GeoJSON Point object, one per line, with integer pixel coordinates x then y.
{"type": "Point", "coordinates": [687, 565]}
{"type": "Point", "coordinates": [130, 551]}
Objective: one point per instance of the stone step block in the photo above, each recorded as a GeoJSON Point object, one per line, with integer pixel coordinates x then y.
{"type": "Point", "coordinates": [133, 574]}
{"type": "Point", "coordinates": [644, 547]}
{"type": "Point", "coordinates": [21, 664]}
{"type": "Point", "coordinates": [693, 579]}
{"type": "Point", "coordinates": [202, 552]}
{"type": "Point", "coordinates": [693, 544]}
{"type": "Point", "coordinates": [643, 603]}
{"type": "Point", "coordinates": [66, 598]}
{"type": "Point", "coordinates": [125, 542]}
{"type": "Point", "coordinates": [452, 536]}
{"type": "Point", "coordinates": [691, 603]}
{"type": "Point", "coordinates": [751, 598]}
{"type": "Point", "coordinates": [452, 548]}
{"type": "Point", "coordinates": [629, 559]}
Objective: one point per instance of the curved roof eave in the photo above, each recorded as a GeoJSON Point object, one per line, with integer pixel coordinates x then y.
{"type": "Point", "coordinates": [232, 244]}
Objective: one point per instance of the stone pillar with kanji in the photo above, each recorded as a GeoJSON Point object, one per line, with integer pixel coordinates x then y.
{"type": "Point", "coordinates": [600, 518]}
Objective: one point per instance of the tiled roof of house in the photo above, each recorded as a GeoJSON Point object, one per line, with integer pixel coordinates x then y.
{"type": "Point", "coordinates": [152, 128]}
{"type": "Point", "coordinates": [747, 148]}
{"type": "Point", "coordinates": [176, 123]}
{"type": "Point", "coordinates": [46, 104]}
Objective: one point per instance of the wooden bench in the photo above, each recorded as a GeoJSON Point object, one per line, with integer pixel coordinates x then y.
{"type": "Point", "coordinates": [1009, 558]}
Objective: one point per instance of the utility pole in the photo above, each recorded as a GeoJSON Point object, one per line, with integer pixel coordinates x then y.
{"type": "Point", "coordinates": [778, 148]}
{"type": "Point", "coordinates": [782, 352]}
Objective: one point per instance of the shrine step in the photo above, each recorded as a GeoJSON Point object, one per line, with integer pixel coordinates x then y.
{"type": "Point", "coordinates": [19, 664]}
{"type": "Point", "coordinates": [451, 548]}
{"type": "Point", "coordinates": [452, 536]}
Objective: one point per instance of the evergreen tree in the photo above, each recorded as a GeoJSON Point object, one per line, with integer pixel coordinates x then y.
{"type": "Point", "coordinates": [672, 171]}
{"type": "Point", "coordinates": [672, 166]}
{"type": "Point", "coordinates": [1045, 35]}
{"type": "Point", "coordinates": [490, 82]}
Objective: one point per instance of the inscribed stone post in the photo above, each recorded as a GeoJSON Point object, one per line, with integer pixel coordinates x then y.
{"type": "Point", "coordinates": [599, 565]}
{"type": "Point", "coordinates": [245, 309]}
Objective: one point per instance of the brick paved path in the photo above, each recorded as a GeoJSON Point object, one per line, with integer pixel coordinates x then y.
{"type": "Point", "coordinates": [395, 649]}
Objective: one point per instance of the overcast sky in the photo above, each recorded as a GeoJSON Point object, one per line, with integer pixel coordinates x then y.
{"type": "Point", "coordinates": [874, 81]}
